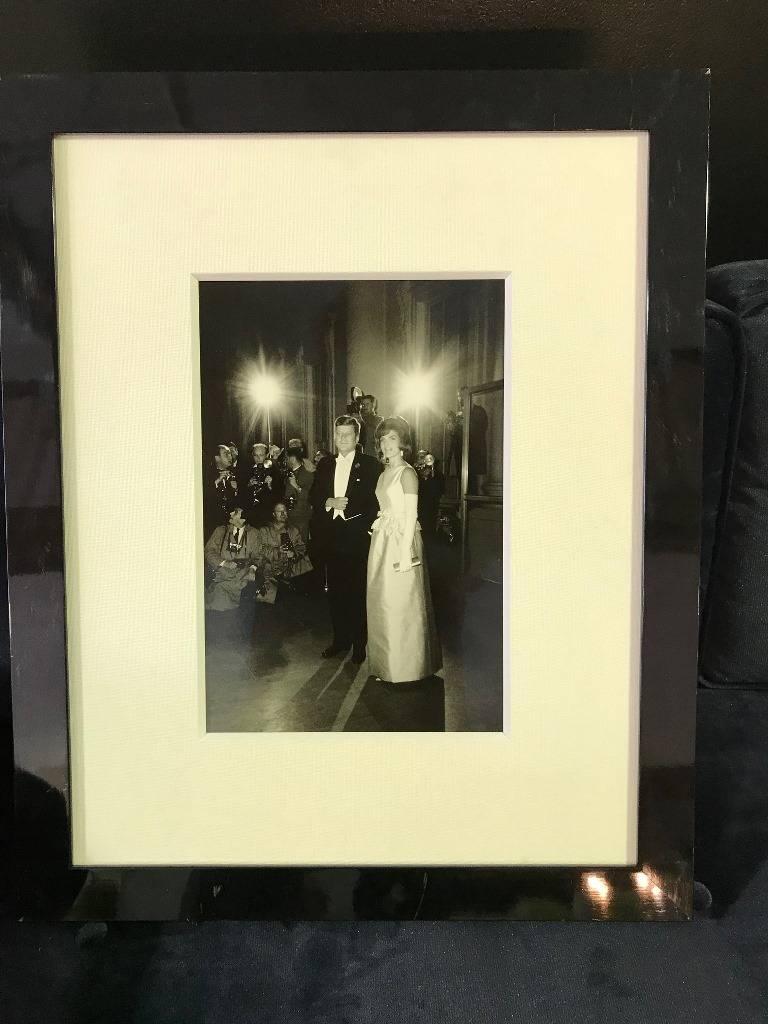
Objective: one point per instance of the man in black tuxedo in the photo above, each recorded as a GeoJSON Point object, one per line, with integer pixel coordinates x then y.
{"type": "Point", "coordinates": [344, 505]}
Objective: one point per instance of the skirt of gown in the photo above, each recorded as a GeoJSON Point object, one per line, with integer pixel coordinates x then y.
{"type": "Point", "coordinates": [403, 644]}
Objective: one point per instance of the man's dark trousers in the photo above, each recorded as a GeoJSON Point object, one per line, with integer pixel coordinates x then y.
{"type": "Point", "coordinates": [347, 585]}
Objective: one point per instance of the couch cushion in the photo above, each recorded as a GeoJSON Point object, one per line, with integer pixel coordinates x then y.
{"type": "Point", "coordinates": [734, 633]}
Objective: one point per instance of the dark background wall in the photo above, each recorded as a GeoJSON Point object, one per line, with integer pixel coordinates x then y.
{"type": "Point", "coordinates": [728, 36]}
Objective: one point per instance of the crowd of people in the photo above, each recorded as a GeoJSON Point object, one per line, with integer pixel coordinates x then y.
{"type": "Point", "coordinates": [347, 524]}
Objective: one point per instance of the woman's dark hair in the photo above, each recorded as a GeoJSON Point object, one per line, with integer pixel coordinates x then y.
{"type": "Point", "coordinates": [399, 426]}
{"type": "Point", "coordinates": [297, 451]}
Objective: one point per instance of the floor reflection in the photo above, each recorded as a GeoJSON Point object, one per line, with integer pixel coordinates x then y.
{"type": "Point", "coordinates": [267, 675]}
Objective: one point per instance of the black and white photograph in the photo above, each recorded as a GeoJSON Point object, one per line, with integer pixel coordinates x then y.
{"type": "Point", "coordinates": [353, 496]}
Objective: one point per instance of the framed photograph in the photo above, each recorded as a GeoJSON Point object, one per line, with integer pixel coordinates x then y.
{"type": "Point", "coordinates": [352, 461]}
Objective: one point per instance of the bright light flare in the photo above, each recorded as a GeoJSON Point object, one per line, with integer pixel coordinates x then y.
{"type": "Point", "coordinates": [264, 390]}
{"type": "Point", "coordinates": [416, 390]}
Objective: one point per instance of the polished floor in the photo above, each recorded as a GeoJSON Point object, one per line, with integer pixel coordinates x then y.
{"type": "Point", "coordinates": [274, 679]}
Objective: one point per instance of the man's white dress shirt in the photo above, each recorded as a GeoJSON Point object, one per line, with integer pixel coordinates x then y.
{"type": "Point", "coordinates": [341, 479]}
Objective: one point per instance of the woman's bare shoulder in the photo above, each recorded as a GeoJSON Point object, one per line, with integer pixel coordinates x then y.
{"type": "Point", "coordinates": [409, 477]}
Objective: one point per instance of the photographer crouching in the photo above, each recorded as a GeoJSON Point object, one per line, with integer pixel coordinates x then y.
{"type": "Point", "coordinates": [281, 556]}
{"type": "Point", "coordinates": [231, 560]}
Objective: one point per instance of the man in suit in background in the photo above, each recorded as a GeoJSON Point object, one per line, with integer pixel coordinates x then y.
{"type": "Point", "coordinates": [344, 506]}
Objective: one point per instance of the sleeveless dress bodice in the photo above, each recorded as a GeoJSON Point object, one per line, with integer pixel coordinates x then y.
{"type": "Point", "coordinates": [391, 498]}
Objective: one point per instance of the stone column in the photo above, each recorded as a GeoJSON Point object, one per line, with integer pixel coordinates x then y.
{"type": "Point", "coordinates": [369, 364]}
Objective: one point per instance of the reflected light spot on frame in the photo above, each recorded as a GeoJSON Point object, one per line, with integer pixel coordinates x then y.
{"type": "Point", "coordinates": [598, 885]}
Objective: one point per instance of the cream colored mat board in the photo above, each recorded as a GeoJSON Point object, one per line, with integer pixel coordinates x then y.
{"type": "Point", "coordinates": [563, 218]}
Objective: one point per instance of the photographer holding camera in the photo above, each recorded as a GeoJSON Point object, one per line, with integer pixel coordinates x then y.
{"type": "Point", "coordinates": [298, 482]}
{"type": "Point", "coordinates": [364, 407]}
{"type": "Point", "coordinates": [261, 486]}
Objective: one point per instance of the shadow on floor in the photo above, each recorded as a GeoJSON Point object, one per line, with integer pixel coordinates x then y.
{"type": "Point", "coordinates": [399, 707]}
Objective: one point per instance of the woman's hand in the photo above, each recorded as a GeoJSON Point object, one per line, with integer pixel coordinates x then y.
{"type": "Point", "coordinates": [404, 564]}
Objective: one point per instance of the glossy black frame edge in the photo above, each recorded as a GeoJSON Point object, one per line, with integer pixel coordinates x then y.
{"type": "Point", "coordinates": [673, 108]}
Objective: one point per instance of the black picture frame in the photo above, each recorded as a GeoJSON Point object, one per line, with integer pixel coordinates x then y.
{"type": "Point", "coordinates": [673, 108]}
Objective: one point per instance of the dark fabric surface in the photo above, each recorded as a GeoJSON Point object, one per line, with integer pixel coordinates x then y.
{"type": "Point", "coordinates": [734, 636]}
{"type": "Point", "coordinates": [732, 801]}
{"type": "Point", "coordinates": [384, 973]}
{"type": "Point", "coordinates": [711, 971]}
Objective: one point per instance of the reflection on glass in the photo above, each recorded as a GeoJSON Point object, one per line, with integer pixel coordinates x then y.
{"type": "Point", "coordinates": [598, 885]}
{"type": "Point", "coordinates": [486, 444]}
{"type": "Point", "coordinates": [598, 893]}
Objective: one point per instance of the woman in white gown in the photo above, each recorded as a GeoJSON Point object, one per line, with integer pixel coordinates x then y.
{"type": "Point", "coordinates": [403, 645]}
